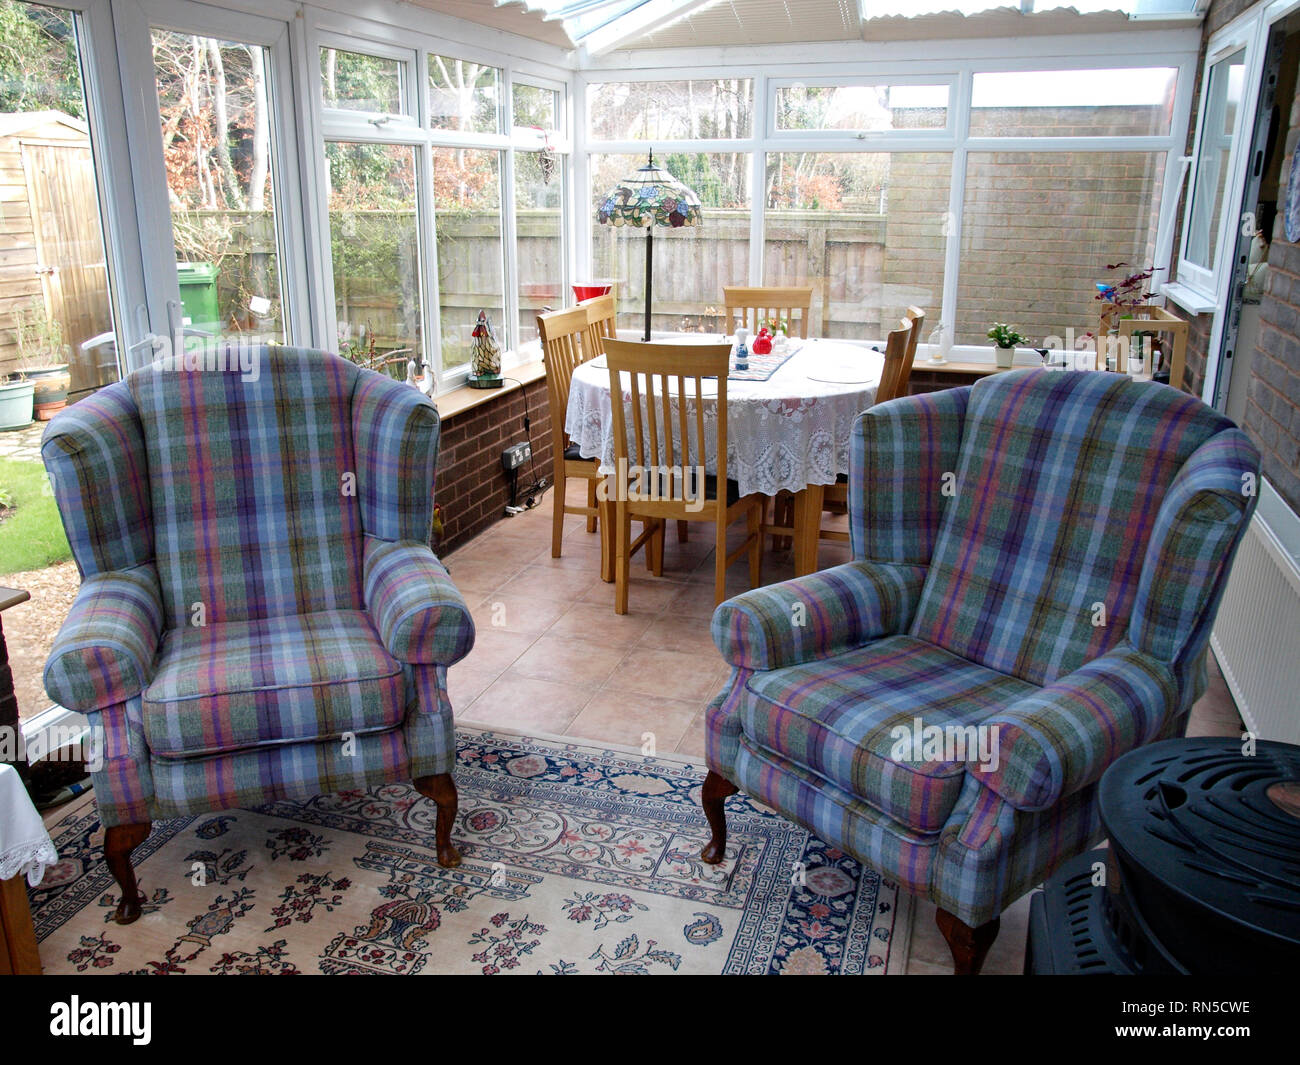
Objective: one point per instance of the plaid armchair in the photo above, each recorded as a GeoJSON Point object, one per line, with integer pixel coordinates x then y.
{"type": "Point", "coordinates": [1038, 560]}
{"type": "Point", "coordinates": [260, 616]}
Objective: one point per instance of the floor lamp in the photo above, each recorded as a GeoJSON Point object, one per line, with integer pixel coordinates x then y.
{"type": "Point", "coordinates": [648, 198]}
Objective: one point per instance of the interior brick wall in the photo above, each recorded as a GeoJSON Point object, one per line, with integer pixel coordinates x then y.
{"type": "Point", "coordinates": [471, 487]}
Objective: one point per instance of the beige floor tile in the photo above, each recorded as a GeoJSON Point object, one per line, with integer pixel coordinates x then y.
{"type": "Point", "coordinates": [474, 576]}
{"type": "Point", "coordinates": [645, 593]}
{"type": "Point", "coordinates": [686, 634]}
{"type": "Point", "coordinates": [692, 741]}
{"type": "Point", "coordinates": [597, 621]}
{"type": "Point", "coordinates": [534, 613]}
{"type": "Point", "coordinates": [611, 717]}
{"type": "Point", "coordinates": [523, 704]}
{"type": "Point", "coordinates": [495, 649]}
{"type": "Point", "coordinates": [568, 660]}
{"type": "Point", "coordinates": [465, 682]}
{"type": "Point", "coordinates": [667, 674]}
{"type": "Point", "coordinates": [558, 583]}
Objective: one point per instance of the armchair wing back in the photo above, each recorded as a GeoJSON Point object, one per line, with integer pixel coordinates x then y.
{"type": "Point", "coordinates": [1038, 560]}
{"type": "Point", "coordinates": [260, 615]}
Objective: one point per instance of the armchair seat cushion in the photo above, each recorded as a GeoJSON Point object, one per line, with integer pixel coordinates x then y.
{"type": "Point", "coordinates": [246, 684]}
{"type": "Point", "coordinates": [838, 716]}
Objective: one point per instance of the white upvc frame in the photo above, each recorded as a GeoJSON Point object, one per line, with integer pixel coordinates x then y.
{"type": "Point", "coordinates": [1252, 25]}
{"type": "Point", "coordinates": [133, 22]}
{"type": "Point", "coordinates": [332, 28]}
{"type": "Point", "coordinates": [906, 64]}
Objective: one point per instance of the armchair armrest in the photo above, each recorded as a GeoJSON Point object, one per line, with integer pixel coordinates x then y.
{"type": "Point", "coordinates": [104, 653]}
{"type": "Point", "coordinates": [821, 614]}
{"type": "Point", "coordinates": [1062, 737]}
{"type": "Point", "coordinates": [420, 614]}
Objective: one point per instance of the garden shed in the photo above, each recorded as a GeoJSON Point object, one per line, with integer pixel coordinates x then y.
{"type": "Point", "coordinates": [51, 257]}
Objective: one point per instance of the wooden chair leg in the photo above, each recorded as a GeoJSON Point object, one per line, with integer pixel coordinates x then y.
{"type": "Point", "coordinates": [119, 842]}
{"type": "Point", "coordinates": [622, 539]}
{"type": "Point", "coordinates": [442, 790]}
{"type": "Point", "coordinates": [720, 560]}
{"type": "Point", "coordinates": [969, 946]}
{"type": "Point", "coordinates": [755, 529]}
{"type": "Point", "coordinates": [713, 798]}
{"type": "Point", "coordinates": [683, 531]}
{"type": "Point", "coordinates": [591, 502]}
{"type": "Point", "coordinates": [557, 518]}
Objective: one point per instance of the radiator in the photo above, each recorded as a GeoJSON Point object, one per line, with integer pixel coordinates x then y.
{"type": "Point", "coordinates": [1256, 637]}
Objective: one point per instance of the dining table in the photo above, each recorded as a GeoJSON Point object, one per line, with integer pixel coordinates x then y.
{"type": "Point", "coordinates": [790, 432]}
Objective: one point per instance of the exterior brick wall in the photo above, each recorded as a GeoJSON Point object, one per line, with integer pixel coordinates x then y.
{"type": "Point", "coordinates": [472, 489]}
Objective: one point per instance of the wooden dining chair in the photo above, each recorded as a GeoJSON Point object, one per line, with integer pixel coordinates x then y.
{"type": "Point", "coordinates": [900, 352]}
{"type": "Point", "coordinates": [601, 312]}
{"type": "Point", "coordinates": [751, 307]}
{"type": "Point", "coordinates": [660, 464]}
{"type": "Point", "coordinates": [563, 349]}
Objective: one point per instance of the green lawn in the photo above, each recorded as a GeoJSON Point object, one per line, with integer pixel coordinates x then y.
{"type": "Point", "coordinates": [31, 534]}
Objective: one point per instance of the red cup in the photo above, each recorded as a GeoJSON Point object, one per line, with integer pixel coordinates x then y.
{"type": "Point", "coordinates": [588, 290]}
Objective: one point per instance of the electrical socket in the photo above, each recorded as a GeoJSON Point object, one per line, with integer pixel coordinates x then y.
{"type": "Point", "coordinates": [516, 455]}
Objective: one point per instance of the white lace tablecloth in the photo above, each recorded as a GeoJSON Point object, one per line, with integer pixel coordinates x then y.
{"type": "Point", "coordinates": [787, 432]}
{"type": "Point", "coordinates": [25, 846]}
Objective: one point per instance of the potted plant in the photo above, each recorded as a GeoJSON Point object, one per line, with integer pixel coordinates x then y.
{"type": "Point", "coordinates": [42, 358]}
{"type": "Point", "coordinates": [15, 403]}
{"type": "Point", "coordinates": [1125, 298]}
{"type": "Point", "coordinates": [1005, 338]}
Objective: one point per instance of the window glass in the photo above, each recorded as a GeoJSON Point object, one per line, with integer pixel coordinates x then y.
{"type": "Point", "coordinates": [671, 110]}
{"type": "Point", "coordinates": [214, 96]}
{"type": "Point", "coordinates": [536, 107]}
{"type": "Point", "coordinates": [861, 107]}
{"type": "Point", "coordinates": [1073, 103]}
{"type": "Point", "coordinates": [1039, 230]}
{"type": "Point", "coordinates": [353, 81]}
{"type": "Point", "coordinates": [690, 264]}
{"type": "Point", "coordinates": [539, 237]}
{"type": "Point", "coordinates": [464, 96]}
{"type": "Point", "coordinates": [1218, 124]}
{"type": "Point", "coordinates": [374, 240]}
{"type": "Point", "coordinates": [471, 268]}
{"type": "Point", "coordinates": [56, 322]}
{"type": "Point", "coordinates": [866, 230]}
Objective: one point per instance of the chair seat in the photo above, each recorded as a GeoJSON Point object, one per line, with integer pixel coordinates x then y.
{"type": "Point", "coordinates": [836, 717]}
{"type": "Point", "coordinates": [239, 685]}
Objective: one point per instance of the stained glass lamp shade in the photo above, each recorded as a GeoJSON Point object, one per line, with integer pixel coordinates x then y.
{"type": "Point", "coordinates": [651, 197]}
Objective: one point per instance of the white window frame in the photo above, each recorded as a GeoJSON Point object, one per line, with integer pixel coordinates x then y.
{"type": "Point", "coordinates": [133, 21]}
{"type": "Point", "coordinates": [919, 63]}
{"type": "Point", "coordinates": [361, 34]}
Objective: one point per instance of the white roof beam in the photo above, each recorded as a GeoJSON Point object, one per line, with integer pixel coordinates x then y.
{"type": "Point", "coordinates": [648, 17]}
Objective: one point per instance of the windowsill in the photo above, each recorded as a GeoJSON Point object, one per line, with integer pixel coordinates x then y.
{"type": "Point", "coordinates": [1188, 299]}
{"type": "Point", "coordinates": [459, 400]}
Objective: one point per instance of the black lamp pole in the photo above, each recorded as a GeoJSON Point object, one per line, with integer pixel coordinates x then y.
{"type": "Point", "coordinates": [649, 276]}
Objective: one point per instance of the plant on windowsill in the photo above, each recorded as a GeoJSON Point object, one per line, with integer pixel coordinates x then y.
{"type": "Point", "coordinates": [42, 357]}
{"type": "Point", "coordinates": [1005, 338]}
{"type": "Point", "coordinates": [1126, 298]}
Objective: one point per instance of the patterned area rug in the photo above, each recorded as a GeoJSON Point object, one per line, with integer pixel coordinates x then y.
{"type": "Point", "coordinates": [577, 859]}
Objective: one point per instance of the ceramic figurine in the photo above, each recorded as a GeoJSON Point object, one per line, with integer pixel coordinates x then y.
{"type": "Point", "coordinates": [742, 352]}
{"type": "Point", "coordinates": [485, 356]}
{"type": "Point", "coordinates": [763, 342]}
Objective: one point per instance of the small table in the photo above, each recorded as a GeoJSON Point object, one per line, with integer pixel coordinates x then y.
{"type": "Point", "coordinates": [788, 433]}
{"type": "Point", "coordinates": [25, 850]}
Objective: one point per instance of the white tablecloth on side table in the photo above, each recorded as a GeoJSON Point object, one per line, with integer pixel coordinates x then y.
{"type": "Point", "coordinates": [785, 433]}
{"type": "Point", "coordinates": [25, 846]}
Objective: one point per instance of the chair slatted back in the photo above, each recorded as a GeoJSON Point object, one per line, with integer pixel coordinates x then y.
{"type": "Point", "coordinates": [601, 311]}
{"type": "Point", "coordinates": [661, 376]}
{"type": "Point", "coordinates": [561, 333]}
{"type": "Point", "coordinates": [916, 318]}
{"type": "Point", "coordinates": [751, 306]}
{"type": "Point", "coordinates": [893, 379]}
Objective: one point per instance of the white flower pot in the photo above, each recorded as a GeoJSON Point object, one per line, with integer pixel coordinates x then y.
{"type": "Point", "coordinates": [1005, 357]}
